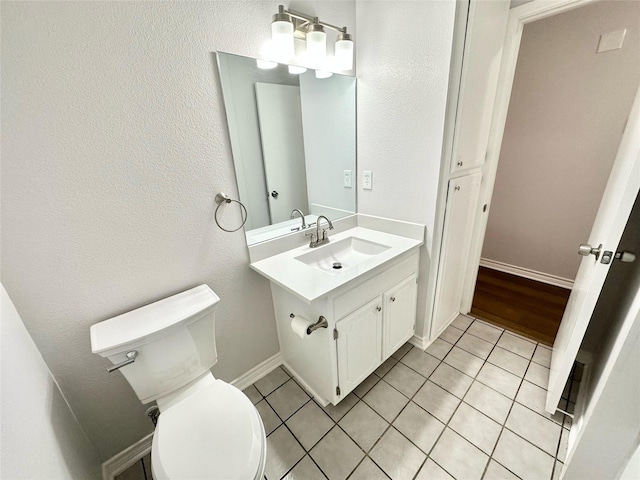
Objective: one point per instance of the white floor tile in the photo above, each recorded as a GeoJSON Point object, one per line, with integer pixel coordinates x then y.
{"type": "Point", "coordinates": [459, 457]}
{"type": "Point", "coordinates": [336, 454]}
{"type": "Point", "coordinates": [270, 420]}
{"type": "Point", "coordinates": [495, 471]}
{"type": "Point", "coordinates": [493, 404]}
{"type": "Point", "coordinates": [542, 356]}
{"type": "Point", "coordinates": [404, 379]}
{"type": "Point", "coordinates": [253, 394]}
{"type": "Point", "coordinates": [283, 452]}
{"type": "Point", "coordinates": [398, 457]}
{"type": "Point", "coordinates": [485, 332]}
{"type": "Point", "coordinates": [437, 401]}
{"type": "Point", "coordinates": [402, 351]}
{"type": "Point", "coordinates": [368, 470]}
{"type": "Point", "coordinates": [287, 399]}
{"type": "Point", "coordinates": [464, 361]}
{"type": "Point", "coordinates": [538, 375]}
{"type": "Point", "coordinates": [564, 445]}
{"type": "Point", "coordinates": [475, 345]}
{"type": "Point", "coordinates": [383, 369]}
{"type": "Point", "coordinates": [271, 381]}
{"type": "Point", "coordinates": [363, 425]}
{"type": "Point", "coordinates": [432, 471]}
{"type": "Point", "coordinates": [499, 379]}
{"type": "Point", "coordinates": [535, 397]}
{"type": "Point", "coordinates": [517, 345]}
{"type": "Point", "coordinates": [462, 322]}
{"type": "Point", "coordinates": [451, 334]}
{"type": "Point", "coordinates": [419, 427]}
{"type": "Point", "coordinates": [421, 362]}
{"type": "Point", "coordinates": [557, 470]}
{"type": "Point", "coordinates": [362, 389]}
{"type": "Point", "coordinates": [452, 380]}
{"type": "Point", "coordinates": [439, 348]}
{"type": "Point", "coordinates": [543, 433]}
{"type": "Point", "coordinates": [309, 425]}
{"type": "Point", "coordinates": [508, 361]}
{"type": "Point", "coordinates": [336, 412]}
{"type": "Point", "coordinates": [385, 400]}
{"type": "Point", "coordinates": [305, 470]}
{"type": "Point", "coordinates": [522, 458]}
{"type": "Point", "coordinates": [476, 428]}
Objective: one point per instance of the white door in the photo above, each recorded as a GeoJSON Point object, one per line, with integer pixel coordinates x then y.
{"type": "Point", "coordinates": [621, 191]}
{"type": "Point", "coordinates": [280, 118]}
{"type": "Point", "coordinates": [461, 209]}
{"type": "Point", "coordinates": [399, 315]}
{"type": "Point", "coordinates": [359, 345]}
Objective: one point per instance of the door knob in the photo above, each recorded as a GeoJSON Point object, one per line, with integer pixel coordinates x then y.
{"type": "Point", "coordinates": [585, 250]}
{"type": "Point", "coordinates": [274, 194]}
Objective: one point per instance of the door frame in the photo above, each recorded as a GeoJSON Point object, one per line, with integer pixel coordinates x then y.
{"type": "Point", "coordinates": [518, 18]}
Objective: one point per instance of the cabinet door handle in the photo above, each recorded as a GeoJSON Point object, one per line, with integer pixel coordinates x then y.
{"type": "Point", "coordinates": [378, 309]}
{"type": "Point", "coordinates": [393, 299]}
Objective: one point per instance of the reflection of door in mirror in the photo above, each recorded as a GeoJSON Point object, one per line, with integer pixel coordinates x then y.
{"type": "Point", "coordinates": [280, 119]}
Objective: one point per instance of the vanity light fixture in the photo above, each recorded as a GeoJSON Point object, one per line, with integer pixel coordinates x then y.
{"type": "Point", "coordinates": [288, 24]}
{"type": "Point", "coordinates": [296, 70]}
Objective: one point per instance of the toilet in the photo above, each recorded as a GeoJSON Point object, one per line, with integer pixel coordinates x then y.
{"type": "Point", "coordinates": [207, 429]}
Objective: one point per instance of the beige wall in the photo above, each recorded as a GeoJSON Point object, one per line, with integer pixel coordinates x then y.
{"type": "Point", "coordinates": [568, 109]}
{"type": "Point", "coordinates": [114, 144]}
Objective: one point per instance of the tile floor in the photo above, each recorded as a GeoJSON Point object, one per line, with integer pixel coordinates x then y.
{"type": "Point", "coordinates": [470, 407]}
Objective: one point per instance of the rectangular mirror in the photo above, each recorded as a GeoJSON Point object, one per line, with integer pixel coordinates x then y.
{"type": "Point", "coordinates": [293, 138]}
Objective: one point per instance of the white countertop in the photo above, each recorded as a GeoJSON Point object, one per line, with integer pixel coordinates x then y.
{"type": "Point", "coordinates": [310, 283]}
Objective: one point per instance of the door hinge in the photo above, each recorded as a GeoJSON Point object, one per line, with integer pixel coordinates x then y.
{"type": "Point", "coordinates": [335, 333]}
{"type": "Point", "coordinates": [338, 390]}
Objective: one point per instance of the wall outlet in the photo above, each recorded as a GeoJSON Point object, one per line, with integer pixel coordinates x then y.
{"type": "Point", "coordinates": [367, 180]}
{"type": "Point", "coordinates": [347, 178]}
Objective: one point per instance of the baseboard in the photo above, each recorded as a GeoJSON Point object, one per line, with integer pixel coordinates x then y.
{"type": "Point", "coordinates": [257, 372]}
{"type": "Point", "coordinates": [323, 402]}
{"type": "Point", "coordinates": [419, 342]}
{"type": "Point", "coordinates": [132, 454]}
{"type": "Point", "coordinates": [527, 273]}
{"type": "Point", "coordinates": [123, 460]}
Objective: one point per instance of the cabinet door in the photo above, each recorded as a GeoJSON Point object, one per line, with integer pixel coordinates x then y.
{"type": "Point", "coordinates": [462, 203]}
{"type": "Point", "coordinates": [399, 315]}
{"type": "Point", "coordinates": [359, 345]}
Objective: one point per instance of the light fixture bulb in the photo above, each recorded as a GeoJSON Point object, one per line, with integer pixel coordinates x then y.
{"type": "Point", "coordinates": [323, 74]}
{"type": "Point", "coordinates": [296, 70]}
{"type": "Point", "coordinates": [282, 35]}
{"type": "Point", "coordinates": [316, 42]}
{"type": "Point", "coordinates": [344, 51]}
{"type": "Point", "coordinates": [266, 64]}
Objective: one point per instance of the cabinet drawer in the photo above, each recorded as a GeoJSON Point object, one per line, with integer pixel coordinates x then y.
{"type": "Point", "coordinates": [382, 280]}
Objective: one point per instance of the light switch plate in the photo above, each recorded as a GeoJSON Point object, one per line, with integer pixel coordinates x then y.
{"type": "Point", "coordinates": [347, 178]}
{"type": "Point", "coordinates": [611, 41]}
{"type": "Point", "coordinates": [367, 180]}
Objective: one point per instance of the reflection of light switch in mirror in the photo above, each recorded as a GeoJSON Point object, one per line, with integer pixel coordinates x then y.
{"type": "Point", "coordinates": [347, 178]}
{"type": "Point", "coordinates": [367, 180]}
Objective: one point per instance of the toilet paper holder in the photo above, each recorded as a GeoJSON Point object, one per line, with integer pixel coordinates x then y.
{"type": "Point", "coordinates": [321, 323]}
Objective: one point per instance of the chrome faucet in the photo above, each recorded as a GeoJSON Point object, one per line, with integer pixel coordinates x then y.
{"type": "Point", "coordinates": [293, 214]}
{"type": "Point", "coordinates": [316, 241]}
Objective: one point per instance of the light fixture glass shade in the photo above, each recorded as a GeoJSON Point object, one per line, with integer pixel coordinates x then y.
{"type": "Point", "coordinates": [344, 52]}
{"type": "Point", "coordinates": [266, 64]}
{"type": "Point", "coordinates": [323, 74]}
{"type": "Point", "coordinates": [316, 43]}
{"type": "Point", "coordinates": [282, 39]}
{"type": "Point", "coordinates": [296, 70]}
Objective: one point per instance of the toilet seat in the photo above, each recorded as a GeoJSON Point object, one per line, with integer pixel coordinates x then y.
{"type": "Point", "coordinates": [215, 433]}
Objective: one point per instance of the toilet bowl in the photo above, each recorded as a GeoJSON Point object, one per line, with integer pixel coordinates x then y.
{"type": "Point", "coordinates": [207, 429]}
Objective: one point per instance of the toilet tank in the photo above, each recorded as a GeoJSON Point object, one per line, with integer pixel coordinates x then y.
{"type": "Point", "coordinates": [174, 338]}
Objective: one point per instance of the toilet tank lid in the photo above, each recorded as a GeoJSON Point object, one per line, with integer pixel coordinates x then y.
{"type": "Point", "coordinates": [144, 322]}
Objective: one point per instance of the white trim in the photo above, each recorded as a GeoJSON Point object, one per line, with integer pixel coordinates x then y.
{"type": "Point", "coordinates": [126, 458]}
{"type": "Point", "coordinates": [419, 342]}
{"type": "Point", "coordinates": [257, 372]}
{"type": "Point", "coordinates": [323, 402]}
{"type": "Point", "coordinates": [130, 455]}
{"type": "Point", "coordinates": [527, 273]}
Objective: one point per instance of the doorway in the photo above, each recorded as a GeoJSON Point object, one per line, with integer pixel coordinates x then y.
{"type": "Point", "coordinates": [576, 76]}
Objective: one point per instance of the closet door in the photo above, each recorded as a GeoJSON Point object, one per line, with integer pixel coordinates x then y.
{"type": "Point", "coordinates": [462, 205]}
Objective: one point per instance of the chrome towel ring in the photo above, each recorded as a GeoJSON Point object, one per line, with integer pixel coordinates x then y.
{"type": "Point", "coordinates": [222, 199]}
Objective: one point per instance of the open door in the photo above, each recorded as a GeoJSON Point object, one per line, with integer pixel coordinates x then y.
{"type": "Point", "coordinates": [618, 199]}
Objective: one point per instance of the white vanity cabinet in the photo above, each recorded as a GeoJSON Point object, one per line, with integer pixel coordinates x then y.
{"type": "Point", "coordinates": [368, 319]}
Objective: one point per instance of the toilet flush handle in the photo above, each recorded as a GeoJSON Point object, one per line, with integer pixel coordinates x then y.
{"type": "Point", "coordinates": [131, 357]}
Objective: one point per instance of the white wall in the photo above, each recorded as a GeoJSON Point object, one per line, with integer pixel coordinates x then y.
{"type": "Point", "coordinates": [114, 144]}
{"type": "Point", "coordinates": [568, 109]}
{"type": "Point", "coordinates": [41, 438]}
{"type": "Point", "coordinates": [403, 75]}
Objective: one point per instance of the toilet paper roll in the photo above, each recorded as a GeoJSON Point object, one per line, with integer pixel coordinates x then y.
{"type": "Point", "coordinates": [299, 325]}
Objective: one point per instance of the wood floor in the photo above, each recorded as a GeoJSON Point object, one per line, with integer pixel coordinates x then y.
{"type": "Point", "coordinates": [530, 308]}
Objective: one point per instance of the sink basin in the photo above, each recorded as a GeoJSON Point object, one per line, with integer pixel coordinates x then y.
{"type": "Point", "coordinates": [343, 254]}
